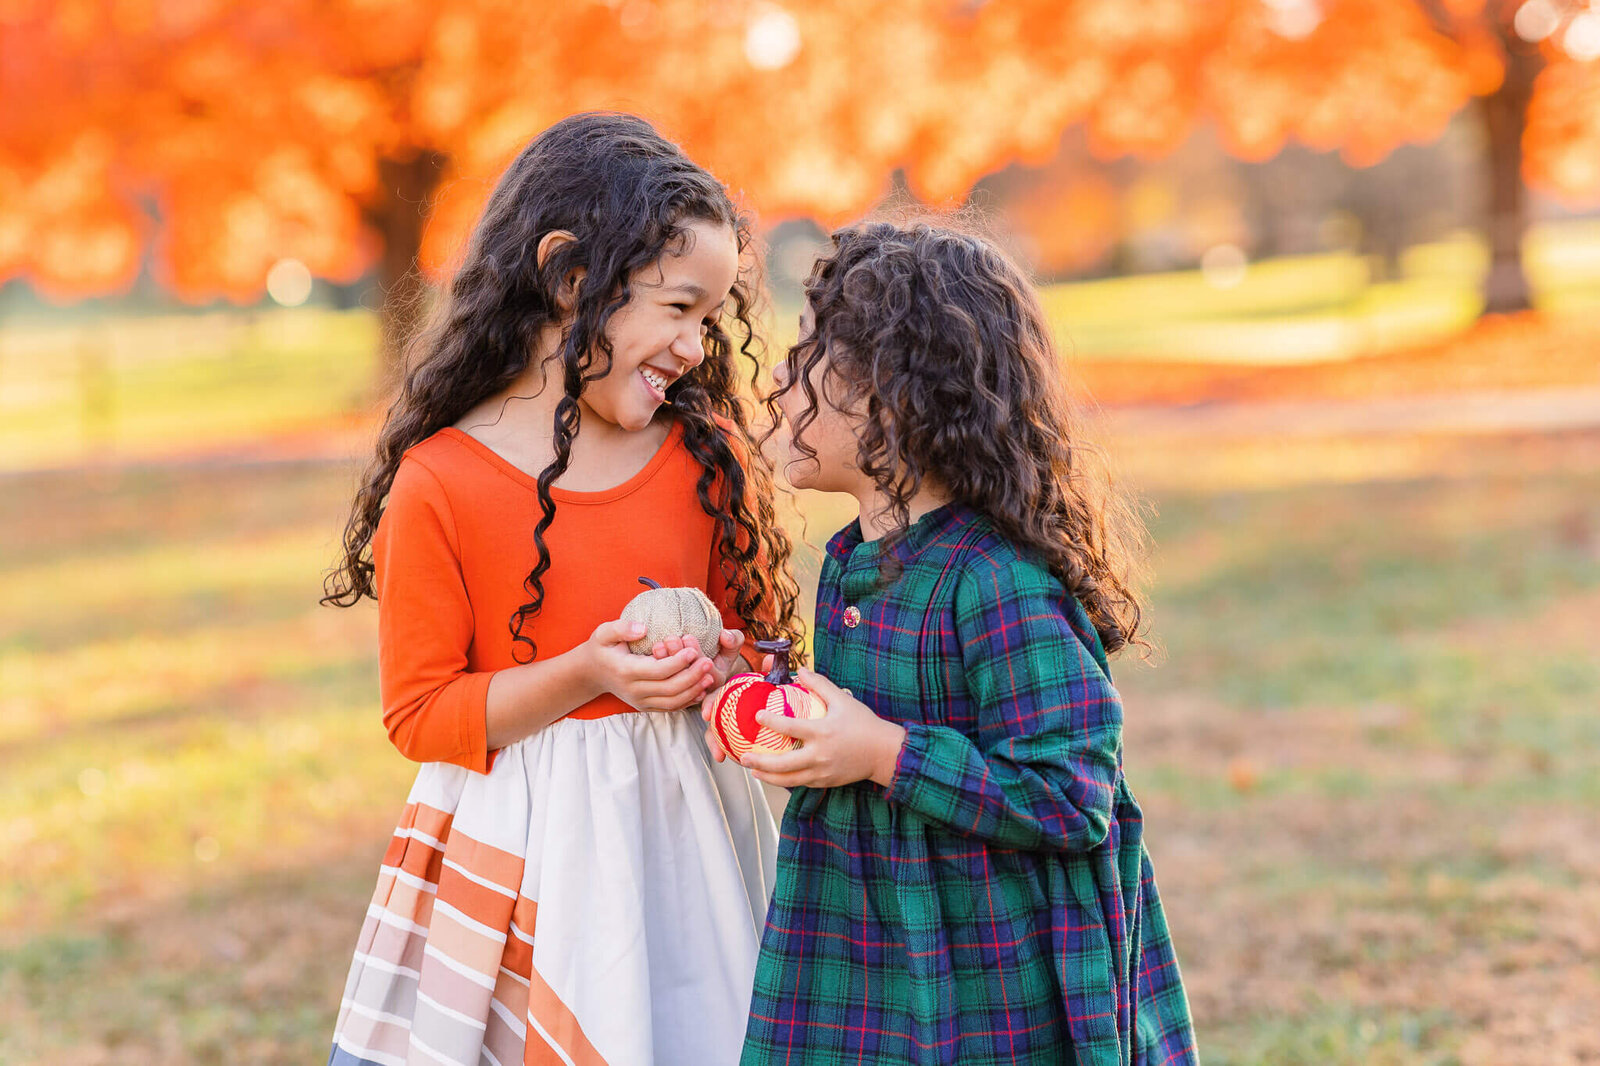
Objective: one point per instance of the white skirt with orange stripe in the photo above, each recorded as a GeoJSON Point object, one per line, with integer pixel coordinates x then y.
{"type": "Point", "coordinates": [597, 897]}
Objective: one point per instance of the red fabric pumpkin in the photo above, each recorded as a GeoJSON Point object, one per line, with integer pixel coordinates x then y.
{"type": "Point", "coordinates": [745, 695]}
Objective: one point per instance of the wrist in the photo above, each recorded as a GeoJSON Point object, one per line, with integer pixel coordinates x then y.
{"type": "Point", "coordinates": [889, 748]}
{"type": "Point", "coordinates": [587, 671]}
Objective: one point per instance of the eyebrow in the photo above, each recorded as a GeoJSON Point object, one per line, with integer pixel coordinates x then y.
{"type": "Point", "coordinates": [693, 291]}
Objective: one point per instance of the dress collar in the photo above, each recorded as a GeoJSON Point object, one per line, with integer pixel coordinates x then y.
{"type": "Point", "coordinates": [861, 561]}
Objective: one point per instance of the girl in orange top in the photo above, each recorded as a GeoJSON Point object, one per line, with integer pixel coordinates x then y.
{"type": "Point", "coordinates": [575, 878]}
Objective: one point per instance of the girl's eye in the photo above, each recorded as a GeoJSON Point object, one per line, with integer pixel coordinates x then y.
{"type": "Point", "coordinates": [680, 308]}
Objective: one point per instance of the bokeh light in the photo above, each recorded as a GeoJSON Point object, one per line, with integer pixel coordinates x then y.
{"type": "Point", "coordinates": [1224, 266]}
{"type": "Point", "coordinates": [1294, 19]}
{"type": "Point", "coordinates": [1536, 20]}
{"type": "Point", "coordinates": [1582, 40]}
{"type": "Point", "coordinates": [289, 283]}
{"type": "Point", "coordinates": [772, 40]}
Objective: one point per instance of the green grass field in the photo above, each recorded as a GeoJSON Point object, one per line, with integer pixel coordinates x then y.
{"type": "Point", "coordinates": [1366, 758]}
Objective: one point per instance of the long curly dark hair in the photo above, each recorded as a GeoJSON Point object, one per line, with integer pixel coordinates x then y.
{"type": "Point", "coordinates": [938, 339]}
{"type": "Point", "coordinates": [626, 194]}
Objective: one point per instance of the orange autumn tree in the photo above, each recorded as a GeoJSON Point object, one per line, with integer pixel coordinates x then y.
{"type": "Point", "coordinates": [218, 136]}
{"type": "Point", "coordinates": [1529, 67]}
{"type": "Point", "coordinates": [1361, 77]}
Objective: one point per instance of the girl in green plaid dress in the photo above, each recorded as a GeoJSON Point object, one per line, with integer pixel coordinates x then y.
{"type": "Point", "coordinates": [962, 876]}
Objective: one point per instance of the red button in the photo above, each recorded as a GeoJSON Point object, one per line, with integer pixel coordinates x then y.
{"type": "Point", "coordinates": [852, 617]}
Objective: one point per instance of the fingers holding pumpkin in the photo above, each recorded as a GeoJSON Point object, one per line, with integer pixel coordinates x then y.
{"type": "Point", "coordinates": [673, 694]}
{"type": "Point", "coordinates": [727, 658]}
{"type": "Point", "coordinates": [770, 765]}
{"type": "Point", "coordinates": [801, 729]}
{"type": "Point", "coordinates": [847, 744]}
{"type": "Point", "coordinates": [609, 634]}
{"type": "Point", "coordinates": [682, 686]}
{"type": "Point", "coordinates": [642, 668]}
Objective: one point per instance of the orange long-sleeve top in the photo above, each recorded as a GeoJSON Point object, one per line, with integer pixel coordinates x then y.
{"type": "Point", "coordinates": [453, 548]}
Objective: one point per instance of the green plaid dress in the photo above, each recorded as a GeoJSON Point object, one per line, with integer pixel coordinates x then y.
{"type": "Point", "coordinates": [996, 903]}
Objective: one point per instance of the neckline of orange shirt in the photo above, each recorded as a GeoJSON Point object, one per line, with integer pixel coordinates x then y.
{"type": "Point", "coordinates": [531, 482]}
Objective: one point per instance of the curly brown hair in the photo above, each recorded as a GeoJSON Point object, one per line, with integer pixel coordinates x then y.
{"type": "Point", "coordinates": [937, 337]}
{"type": "Point", "coordinates": [626, 194]}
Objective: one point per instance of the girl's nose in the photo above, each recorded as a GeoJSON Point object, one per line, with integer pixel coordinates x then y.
{"type": "Point", "coordinates": [780, 375]}
{"type": "Point", "coordinates": [690, 348]}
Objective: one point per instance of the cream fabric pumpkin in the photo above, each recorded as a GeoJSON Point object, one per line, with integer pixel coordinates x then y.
{"type": "Point", "coordinates": [677, 612]}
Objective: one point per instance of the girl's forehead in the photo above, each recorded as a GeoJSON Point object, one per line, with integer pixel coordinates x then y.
{"type": "Point", "coordinates": [706, 260]}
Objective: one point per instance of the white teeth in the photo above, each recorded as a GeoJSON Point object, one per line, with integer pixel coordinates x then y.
{"type": "Point", "coordinates": [656, 381]}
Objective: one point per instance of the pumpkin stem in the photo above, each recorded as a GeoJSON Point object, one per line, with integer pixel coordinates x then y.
{"type": "Point", "coordinates": [779, 674]}
{"type": "Point", "coordinates": [647, 581]}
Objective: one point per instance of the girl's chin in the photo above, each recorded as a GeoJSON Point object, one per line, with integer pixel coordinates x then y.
{"type": "Point", "coordinates": [801, 473]}
{"type": "Point", "coordinates": [636, 421]}
{"type": "Point", "coordinates": [631, 417]}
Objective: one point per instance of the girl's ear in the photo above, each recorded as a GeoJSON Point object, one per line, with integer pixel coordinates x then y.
{"type": "Point", "coordinates": [567, 291]}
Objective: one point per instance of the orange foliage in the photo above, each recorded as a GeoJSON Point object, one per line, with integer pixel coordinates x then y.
{"type": "Point", "coordinates": [257, 131]}
{"type": "Point", "coordinates": [1370, 76]}
{"type": "Point", "coordinates": [64, 218]}
{"type": "Point", "coordinates": [1563, 141]}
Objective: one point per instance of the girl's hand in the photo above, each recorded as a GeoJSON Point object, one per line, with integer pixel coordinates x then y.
{"type": "Point", "coordinates": [645, 683]}
{"type": "Point", "coordinates": [849, 744]}
{"type": "Point", "coordinates": [728, 661]}
{"type": "Point", "coordinates": [722, 667]}
{"type": "Point", "coordinates": [723, 663]}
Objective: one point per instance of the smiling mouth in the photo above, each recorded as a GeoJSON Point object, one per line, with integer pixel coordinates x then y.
{"type": "Point", "coordinates": [655, 379]}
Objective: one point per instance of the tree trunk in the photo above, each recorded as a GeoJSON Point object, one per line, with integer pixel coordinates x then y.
{"type": "Point", "coordinates": [399, 218]}
{"type": "Point", "coordinates": [1505, 120]}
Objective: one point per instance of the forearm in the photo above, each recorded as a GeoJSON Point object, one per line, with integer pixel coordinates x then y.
{"type": "Point", "coordinates": [1059, 804]}
{"type": "Point", "coordinates": [524, 699]}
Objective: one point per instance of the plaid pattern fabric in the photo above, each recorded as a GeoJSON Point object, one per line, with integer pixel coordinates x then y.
{"type": "Point", "coordinates": [996, 904]}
